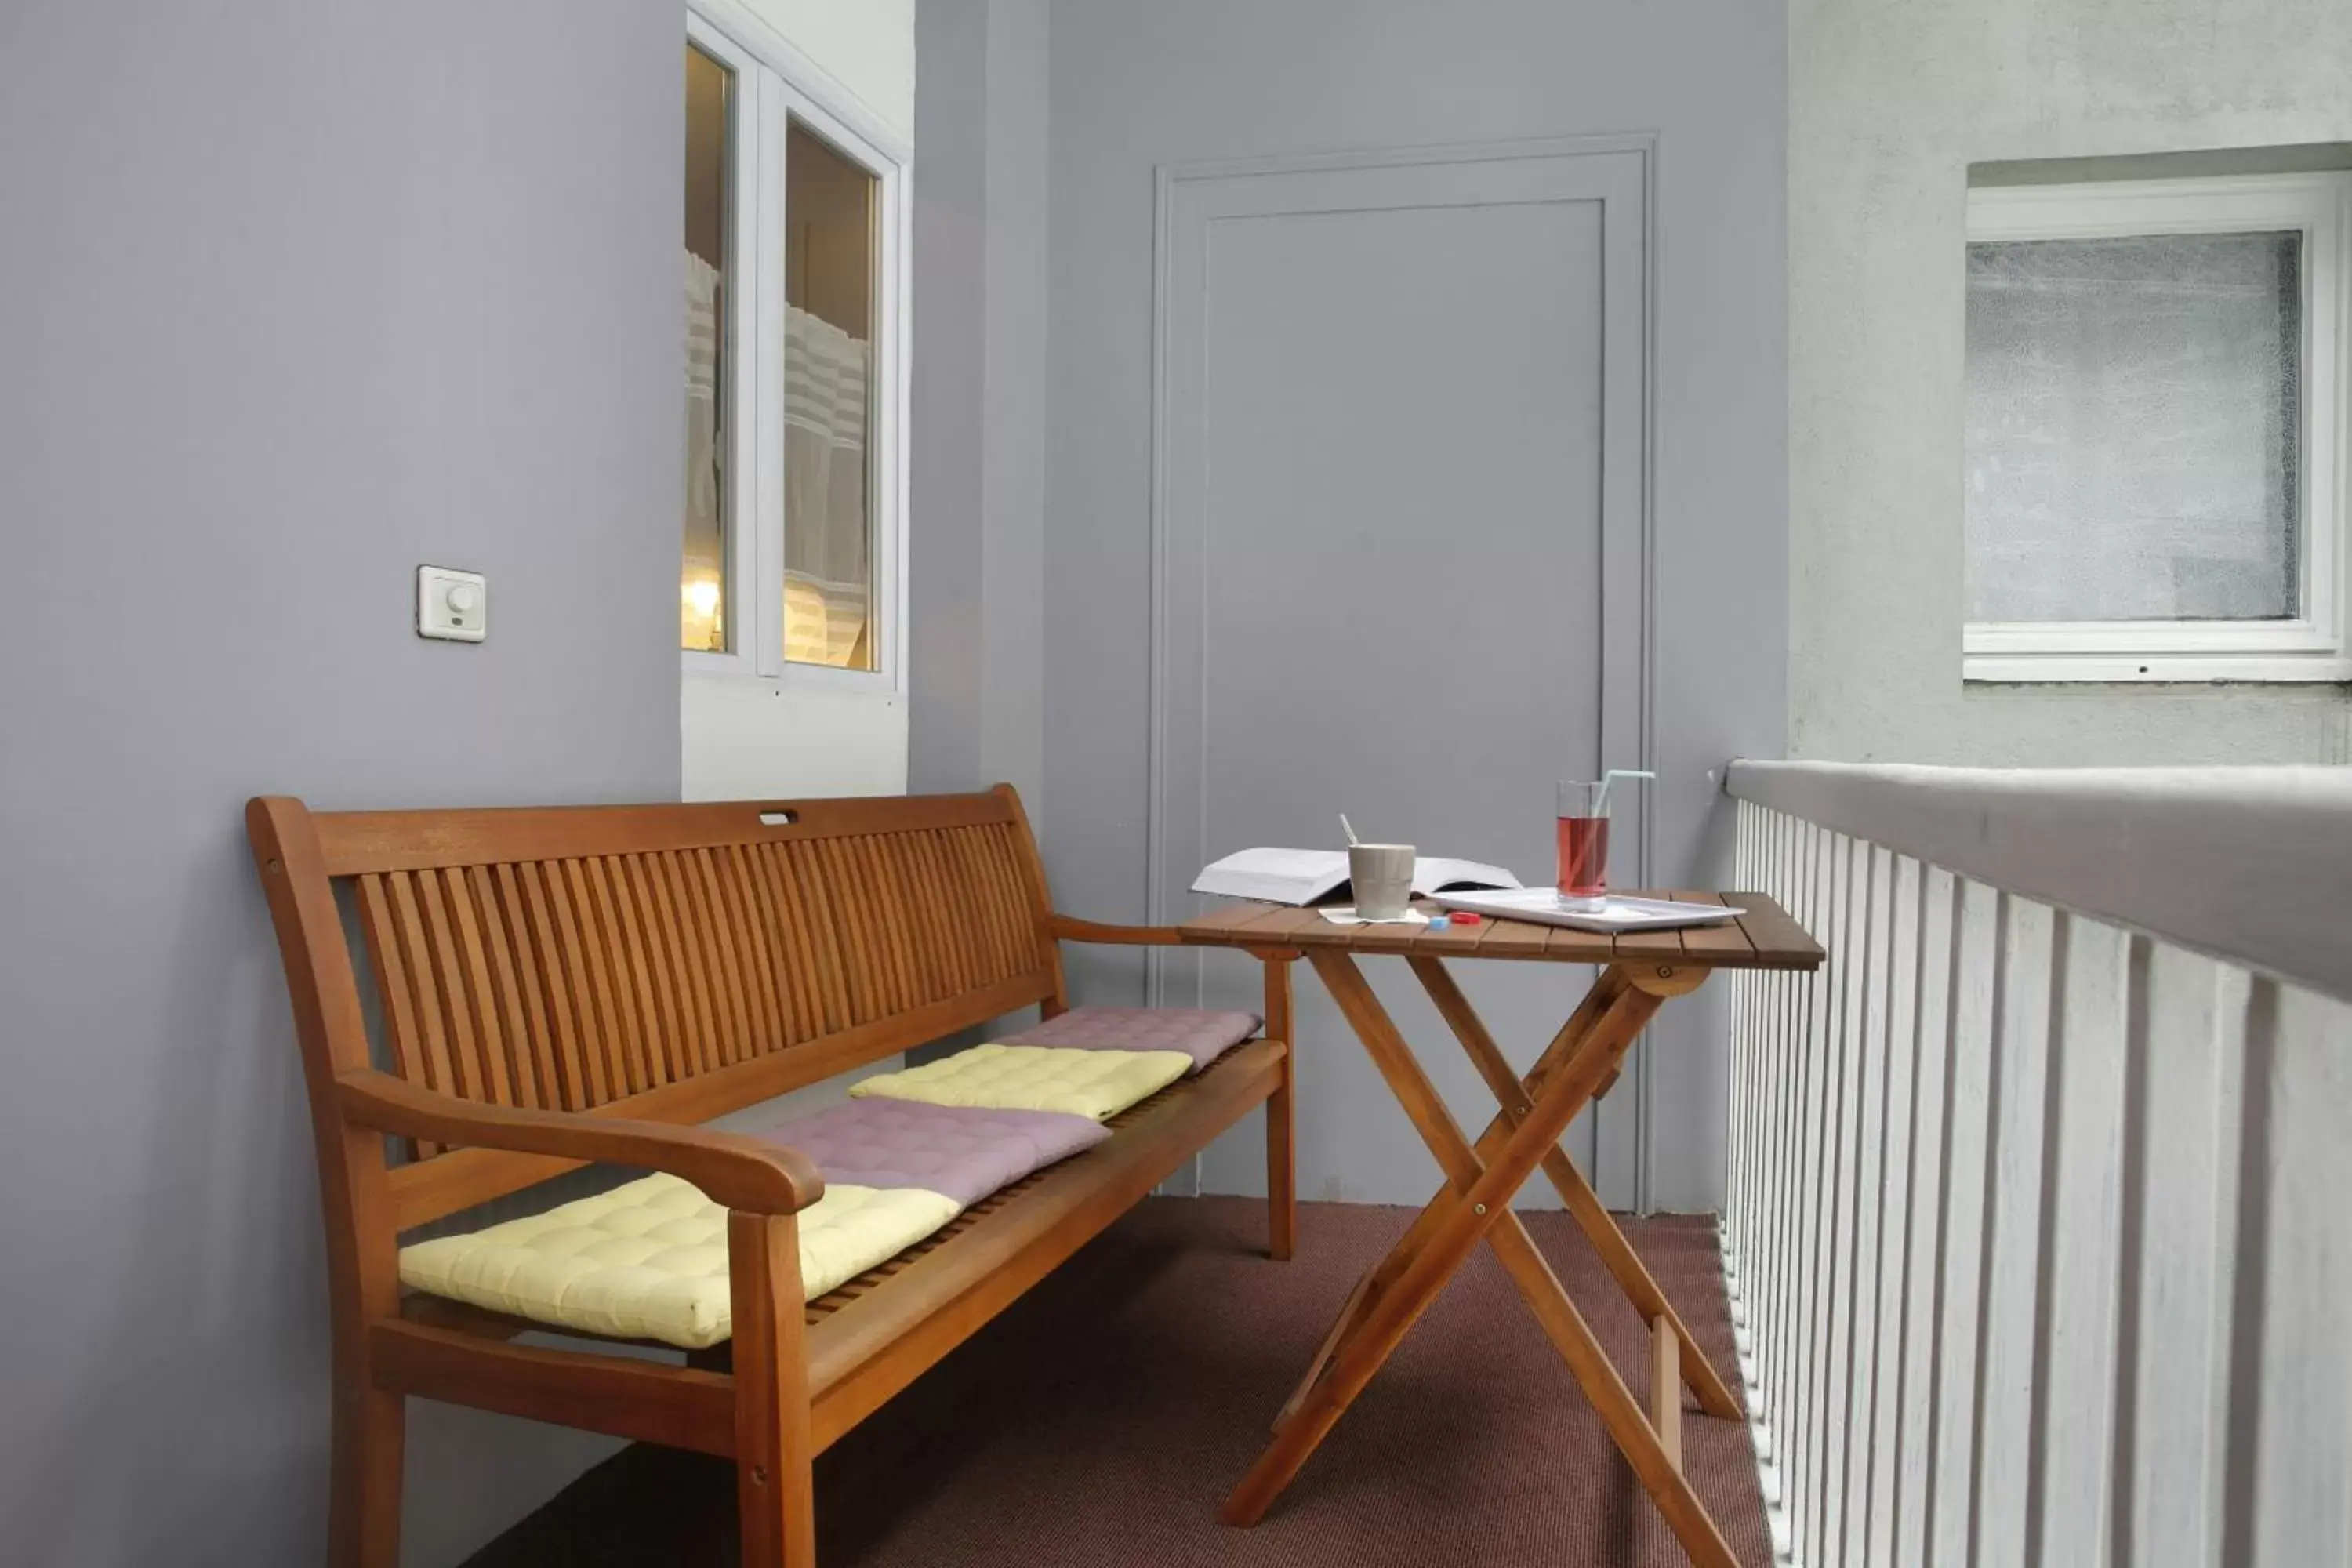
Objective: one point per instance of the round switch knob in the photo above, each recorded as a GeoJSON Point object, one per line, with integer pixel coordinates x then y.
{"type": "Point", "coordinates": [461, 598]}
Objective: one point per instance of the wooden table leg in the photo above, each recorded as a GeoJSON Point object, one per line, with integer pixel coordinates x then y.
{"type": "Point", "coordinates": [1384, 1272]}
{"type": "Point", "coordinates": [1281, 1168]}
{"type": "Point", "coordinates": [1463, 1217]}
{"type": "Point", "coordinates": [1476, 1205]}
{"type": "Point", "coordinates": [1591, 1213]}
{"type": "Point", "coordinates": [1644, 1446]}
{"type": "Point", "coordinates": [1666, 1390]}
{"type": "Point", "coordinates": [1379, 1277]}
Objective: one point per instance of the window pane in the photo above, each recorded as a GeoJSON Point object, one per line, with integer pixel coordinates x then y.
{"type": "Point", "coordinates": [829, 255]}
{"type": "Point", "coordinates": [2133, 411]}
{"type": "Point", "coordinates": [704, 590]}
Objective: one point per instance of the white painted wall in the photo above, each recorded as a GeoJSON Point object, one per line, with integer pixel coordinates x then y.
{"type": "Point", "coordinates": [867, 45]}
{"type": "Point", "coordinates": [1889, 102]}
{"type": "Point", "coordinates": [744, 736]}
{"type": "Point", "coordinates": [1013, 393]}
{"type": "Point", "coordinates": [977, 530]}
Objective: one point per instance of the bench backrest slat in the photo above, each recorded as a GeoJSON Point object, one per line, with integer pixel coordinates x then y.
{"type": "Point", "coordinates": [674, 962]}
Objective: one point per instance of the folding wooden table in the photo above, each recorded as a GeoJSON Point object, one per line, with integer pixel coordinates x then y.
{"type": "Point", "coordinates": [1582, 1060]}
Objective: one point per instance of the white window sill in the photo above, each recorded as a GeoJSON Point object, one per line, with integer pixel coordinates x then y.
{"type": "Point", "coordinates": [2058, 669]}
{"type": "Point", "coordinates": [817, 679]}
{"type": "Point", "coordinates": [2016, 652]}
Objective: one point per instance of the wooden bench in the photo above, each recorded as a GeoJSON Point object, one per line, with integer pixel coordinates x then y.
{"type": "Point", "coordinates": [567, 985]}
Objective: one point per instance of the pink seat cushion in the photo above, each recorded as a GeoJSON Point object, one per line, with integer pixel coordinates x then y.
{"type": "Point", "coordinates": [1203, 1035]}
{"type": "Point", "coordinates": [964, 1151]}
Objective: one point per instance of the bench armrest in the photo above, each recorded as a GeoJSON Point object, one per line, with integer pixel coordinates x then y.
{"type": "Point", "coordinates": [749, 1175]}
{"type": "Point", "coordinates": [1069, 928]}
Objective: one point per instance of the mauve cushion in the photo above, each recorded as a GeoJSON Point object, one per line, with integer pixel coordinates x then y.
{"type": "Point", "coordinates": [964, 1151]}
{"type": "Point", "coordinates": [1200, 1035]}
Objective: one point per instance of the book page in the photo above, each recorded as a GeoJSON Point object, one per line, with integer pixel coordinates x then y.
{"type": "Point", "coordinates": [1274, 876]}
{"type": "Point", "coordinates": [1430, 874]}
{"type": "Point", "coordinates": [1305, 865]}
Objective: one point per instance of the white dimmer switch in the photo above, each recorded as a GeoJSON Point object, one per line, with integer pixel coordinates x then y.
{"type": "Point", "coordinates": [452, 605]}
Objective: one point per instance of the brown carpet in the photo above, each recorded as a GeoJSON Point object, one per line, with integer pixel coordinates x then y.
{"type": "Point", "coordinates": [1101, 1420]}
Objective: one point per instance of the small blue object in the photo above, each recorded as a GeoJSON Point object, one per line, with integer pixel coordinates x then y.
{"type": "Point", "coordinates": [1438, 923]}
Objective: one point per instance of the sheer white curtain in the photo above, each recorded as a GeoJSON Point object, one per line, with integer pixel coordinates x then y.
{"type": "Point", "coordinates": [828, 565]}
{"type": "Point", "coordinates": [704, 533]}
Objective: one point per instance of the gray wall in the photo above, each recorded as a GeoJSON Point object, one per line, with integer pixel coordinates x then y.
{"type": "Point", "coordinates": [976, 583]}
{"type": "Point", "coordinates": [1136, 84]}
{"type": "Point", "coordinates": [292, 298]}
{"type": "Point", "coordinates": [949, 413]}
{"type": "Point", "coordinates": [1890, 100]}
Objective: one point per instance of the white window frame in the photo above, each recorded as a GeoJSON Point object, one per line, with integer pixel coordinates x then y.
{"type": "Point", "coordinates": [2313, 646]}
{"type": "Point", "coordinates": [775, 85]}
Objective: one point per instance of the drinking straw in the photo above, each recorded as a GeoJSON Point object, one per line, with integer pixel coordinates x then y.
{"type": "Point", "coordinates": [1601, 801]}
{"type": "Point", "coordinates": [1349, 831]}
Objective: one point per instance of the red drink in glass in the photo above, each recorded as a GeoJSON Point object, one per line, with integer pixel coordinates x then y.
{"type": "Point", "coordinates": [1584, 856]}
{"type": "Point", "coordinates": [1584, 839]}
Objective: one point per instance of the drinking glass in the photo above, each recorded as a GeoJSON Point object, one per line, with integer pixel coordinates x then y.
{"type": "Point", "coordinates": [1584, 839]}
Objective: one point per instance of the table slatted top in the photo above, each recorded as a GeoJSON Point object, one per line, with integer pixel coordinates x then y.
{"type": "Point", "coordinates": [1763, 937]}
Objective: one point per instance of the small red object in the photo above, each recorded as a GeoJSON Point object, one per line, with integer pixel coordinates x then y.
{"type": "Point", "coordinates": [1465, 918]}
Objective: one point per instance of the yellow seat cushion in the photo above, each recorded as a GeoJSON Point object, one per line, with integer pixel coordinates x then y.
{"type": "Point", "coordinates": [1100, 1084]}
{"type": "Point", "coordinates": [648, 1259]}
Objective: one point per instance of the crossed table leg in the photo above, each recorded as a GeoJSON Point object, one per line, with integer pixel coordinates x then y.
{"type": "Point", "coordinates": [1481, 1179]}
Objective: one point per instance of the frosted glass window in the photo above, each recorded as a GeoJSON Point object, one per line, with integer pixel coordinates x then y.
{"type": "Point", "coordinates": [2133, 410]}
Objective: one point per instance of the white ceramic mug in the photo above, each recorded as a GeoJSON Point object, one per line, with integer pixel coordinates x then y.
{"type": "Point", "coordinates": [1381, 878]}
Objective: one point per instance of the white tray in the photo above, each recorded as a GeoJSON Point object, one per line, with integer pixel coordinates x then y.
{"type": "Point", "coordinates": [1544, 907]}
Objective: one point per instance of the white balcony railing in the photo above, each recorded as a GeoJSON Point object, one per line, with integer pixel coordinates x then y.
{"type": "Point", "coordinates": [2040, 1218]}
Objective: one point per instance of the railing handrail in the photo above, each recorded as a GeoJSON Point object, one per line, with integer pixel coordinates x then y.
{"type": "Point", "coordinates": [2249, 864]}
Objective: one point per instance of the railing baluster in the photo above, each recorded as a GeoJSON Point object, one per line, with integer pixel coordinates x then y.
{"type": "Point", "coordinates": [1789, 1058]}
{"type": "Point", "coordinates": [1976, 988]}
{"type": "Point", "coordinates": [2246, 1383]}
{"type": "Point", "coordinates": [2012, 1234]}
{"type": "Point", "coordinates": [1804, 1154]}
{"type": "Point", "coordinates": [2131, 1254]}
{"type": "Point", "coordinates": [1869, 1184]}
{"type": "Point", "coordinates": [1771, 1254]}
{"type": "Point", "coordinates": [2075, 1330]}
{"type": "Point", "coordinates": [1848, 1092]}
{"type": "Point", "coordinates": [2303, 1509]}
{"type": "Point", "coordinates": [1742, 1050]}
{"type": "Point", "coordinates": [1882, 1444]}
{"type": "Point", "coordinates": [1932, 1078]}
{"type": "Point", "coordinates": [1795, 1074]}
{"type": "Point", "coordinates": [1819, 1117]}
{"type": "Point", "coordinates": [1762, 1204]}
{"type": "Point", "coordinates": [2194, 1079]}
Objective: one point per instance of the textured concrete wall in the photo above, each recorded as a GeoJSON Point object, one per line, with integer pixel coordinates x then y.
{"type": "Point", "coordinates": [1889, 103]}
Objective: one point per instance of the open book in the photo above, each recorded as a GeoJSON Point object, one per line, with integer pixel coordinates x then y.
{"type": "Point", "coordinates": [1309, 875]}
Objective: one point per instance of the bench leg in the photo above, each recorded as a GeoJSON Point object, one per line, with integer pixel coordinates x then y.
{"type": "Point", "coordinates": [363, 1511]}
{"type": "Point", "coordinates": [1281, 1160]}
{"type": "Point", "coordinates": [773, 1497]}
